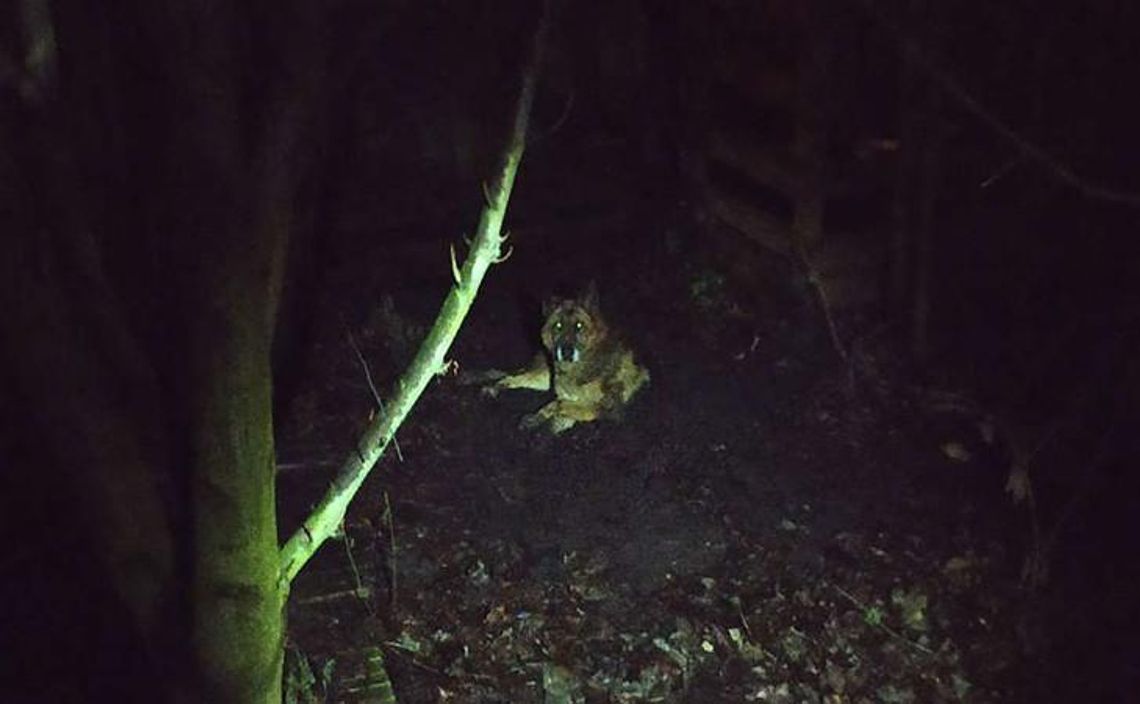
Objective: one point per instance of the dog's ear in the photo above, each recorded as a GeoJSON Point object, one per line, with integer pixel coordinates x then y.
{"type": "Point", "coordinates": [590, 296]}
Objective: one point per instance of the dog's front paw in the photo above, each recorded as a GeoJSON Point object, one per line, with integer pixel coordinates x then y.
{"type": "Point", "coordinates": [560, 424]}
{"type": "Point", "coordinates": [532, 420]}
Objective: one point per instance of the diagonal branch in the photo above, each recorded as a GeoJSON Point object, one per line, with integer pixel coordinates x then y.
{"type": "Point", "coordinates": [429, 361]}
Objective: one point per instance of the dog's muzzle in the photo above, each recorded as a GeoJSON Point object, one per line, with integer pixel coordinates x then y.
{"type": "Point", "coordinates": [565, 352]}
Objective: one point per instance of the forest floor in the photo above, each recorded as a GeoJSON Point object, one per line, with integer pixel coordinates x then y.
{"type": "Point", "coordinates": [756, 528]}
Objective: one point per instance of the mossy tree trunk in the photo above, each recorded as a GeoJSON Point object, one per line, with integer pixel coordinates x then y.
{"type": "Point", "coordinates": [237, 601]}
{"type": "Point", "coordinates": [244, 184]}
{"type": "Point", "coordinates": [149, 172]}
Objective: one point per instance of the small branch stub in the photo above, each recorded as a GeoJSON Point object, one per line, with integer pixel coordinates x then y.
{"type": "Point", "coordinates": [510, 250]}
{"type": "Point", "coordinates": [458, 278]}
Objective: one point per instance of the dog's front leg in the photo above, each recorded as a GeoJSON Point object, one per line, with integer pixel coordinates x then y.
{"type": "Point", "coordinates": [535, 376]}
{"type": "Point", "coordinates": [560, 416]}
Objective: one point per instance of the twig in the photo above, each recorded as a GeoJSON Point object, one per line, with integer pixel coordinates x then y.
{"type": "Point", "coordinates": [997, 175]}
{"type": "Point", "coordinates": [390, 523]}
{"type": "Point", "coordinates": [371, 385]}
{"type": "Point", "coordinates": [825, 305]}
{"type": "Point", "coordinates": [360, 591]}
{"type": "Point", "coordinates": [885, 628]}
{"type": "Point", "coordinates": [743, 618]}
{"type": "Point", "coordinates": [816, 284]}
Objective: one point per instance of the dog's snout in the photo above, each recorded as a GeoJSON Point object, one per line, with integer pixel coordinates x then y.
{"type": "Point", "coordinates": [565, 352]}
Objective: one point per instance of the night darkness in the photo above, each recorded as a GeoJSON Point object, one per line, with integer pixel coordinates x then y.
{"type": "Point", "coordinates": [833, 305]}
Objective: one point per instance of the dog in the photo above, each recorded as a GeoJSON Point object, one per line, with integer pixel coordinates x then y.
{"type": "Point", "coordinates": [591, 370]}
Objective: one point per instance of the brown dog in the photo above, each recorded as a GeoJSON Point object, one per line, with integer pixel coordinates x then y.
{"type": "Point", "coordinates": [594, 374]}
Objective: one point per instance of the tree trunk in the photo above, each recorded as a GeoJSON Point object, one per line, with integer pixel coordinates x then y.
{"type": "Point", "coordinates": [238, 624]}
{"type": "Point", "coordinates": [233, 249]}
{"type": "Point", "coordinates": [137, 309]}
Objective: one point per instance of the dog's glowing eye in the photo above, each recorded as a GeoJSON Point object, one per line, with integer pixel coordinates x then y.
{"type": "Point", "coordinates": [558, 325]}
{"type": "Point", "coordinates": [578, 326]}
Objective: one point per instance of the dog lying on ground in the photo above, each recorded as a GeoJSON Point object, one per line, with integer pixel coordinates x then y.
{"type": "Point", "coordinates": [592, 372]}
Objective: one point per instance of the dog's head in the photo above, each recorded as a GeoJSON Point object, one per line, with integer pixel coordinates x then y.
{"type": "Point", "coordinates": [573, 327]}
